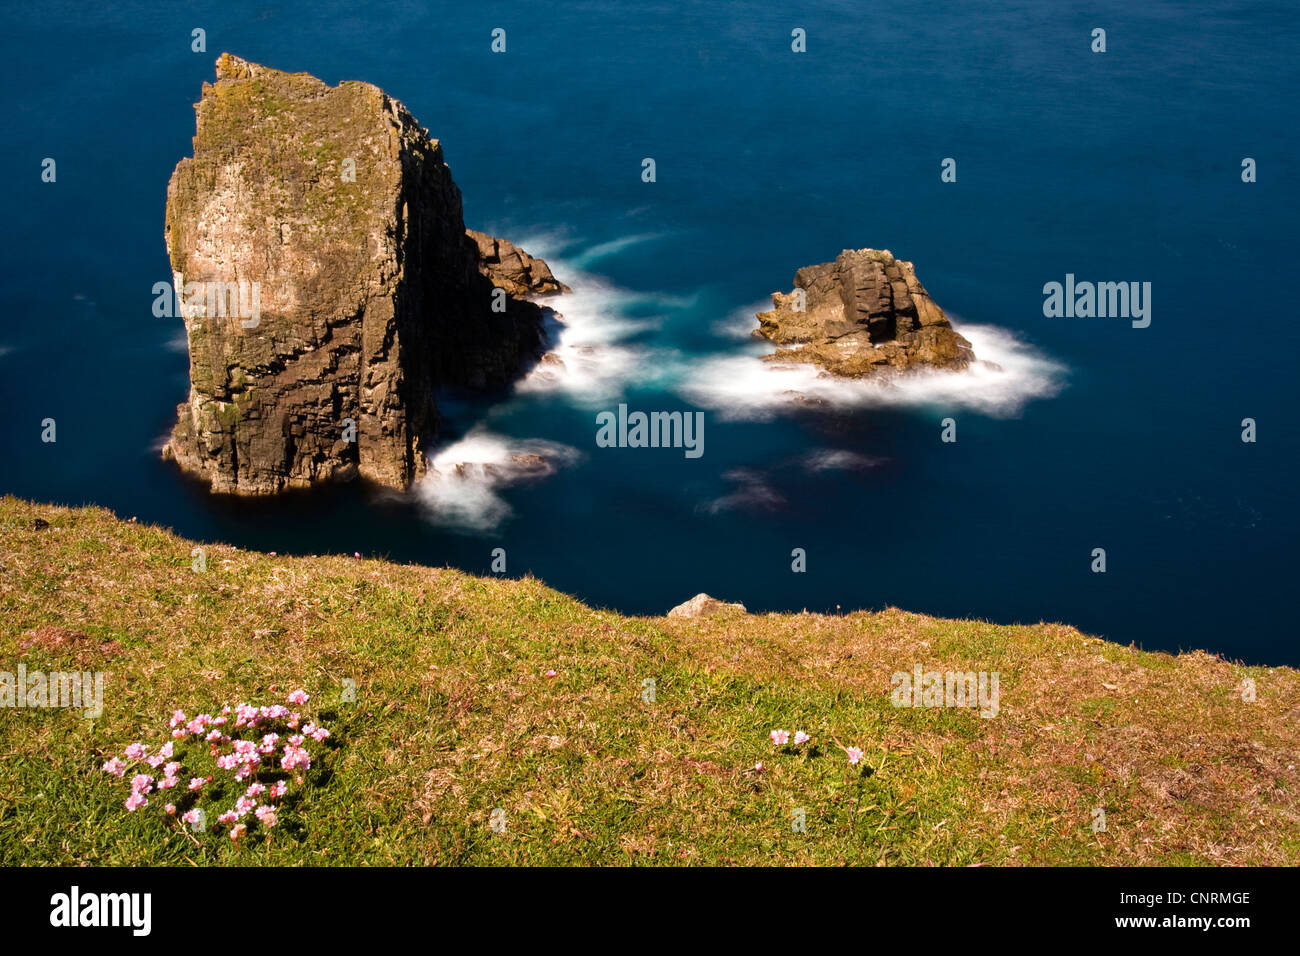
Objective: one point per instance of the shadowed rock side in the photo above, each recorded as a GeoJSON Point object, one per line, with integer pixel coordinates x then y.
{"type": "Point", "coordinates": [865, 313]}
{"type": "Point", "coordinates": [333, 213]}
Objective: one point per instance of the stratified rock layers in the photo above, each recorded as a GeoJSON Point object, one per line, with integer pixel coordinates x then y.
{"type": "Point", "coordinates": [336, 208]}
{"type": "Point", "coordinates": [864, 313]}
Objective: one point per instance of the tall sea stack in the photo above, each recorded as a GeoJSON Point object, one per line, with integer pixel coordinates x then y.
{"type": "Point", "coordinates": [346, 287]}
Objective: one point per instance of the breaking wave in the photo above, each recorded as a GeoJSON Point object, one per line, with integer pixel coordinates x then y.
{"type": "Point", "coordinates": [461, 490]}
{"type": "Point", "coordinates": [1008, 375]}
{"type": "Point", "coordinates": [594, 356]}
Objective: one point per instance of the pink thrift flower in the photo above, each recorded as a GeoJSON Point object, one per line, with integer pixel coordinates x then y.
{"type": "Point", "coordinates": [299, 697]}
{"type": "Point", "coordinates": [319, 734]}
{"type": "Point", "coordinates": [136, 801]}
{"type": "Point", "coordinates": [237, 831]}
{"type": "Point", "coordinates": [800, 737]}
{"type": "Point", "coordinates": [166, 752]}
{"type": "Point", "coordinates": [166, 783]}
{"type": "Point", "coordinates": [115, 767]}
{"type": "Point", "coordinates": [170, 809]}
{"type": "Point", "coordinates": [135, 752]}
{"type": "Point", "coordinates": [196, 783]}
{"type": "Point", "coordinates": [780, 737]}
{"type": "Point", "coordinates": [256, 790]}
{"type": "Point", "coordinates": [228, 817]}
{"type": "Point", "coordinates": [178, 718]}
{"type": "Point", "coordinates": [550, 673]}
{"type": "Point", "coordinates": [295, 756]}
{"type": "Point", "coordinates": [279, 789]}
{"type": "Point", "coordinates": [142, 783]}
{"type": "Point", "coordinates": [191, 817]}
{"type": "Point", "coordinates": [266, 815]}
{"type": "Point", "coordinates": [854, 755]}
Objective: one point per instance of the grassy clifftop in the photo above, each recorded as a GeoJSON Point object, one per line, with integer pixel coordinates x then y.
{"type": "Point", "coordinates": [457, 715]}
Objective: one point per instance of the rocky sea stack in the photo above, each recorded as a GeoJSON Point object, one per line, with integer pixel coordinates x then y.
{"type": "Point", "coordinates": [865, 313]}
{"type": "Point", "coordinates": [346, 286]}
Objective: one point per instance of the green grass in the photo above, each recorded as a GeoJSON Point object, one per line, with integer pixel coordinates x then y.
{"type": "Point", "coordinates": [455, 717]}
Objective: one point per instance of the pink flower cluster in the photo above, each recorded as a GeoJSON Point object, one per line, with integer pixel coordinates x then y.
{"type": "Point", "coordinates": [245, 758]}
{"type": "Point", "coordinates": [782, 737]}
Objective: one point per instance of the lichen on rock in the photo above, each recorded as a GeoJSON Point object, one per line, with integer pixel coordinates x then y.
{"type": "Point", "coordinates": [865, 313]}
{"type": "Point", "coordinates": [338, 213]}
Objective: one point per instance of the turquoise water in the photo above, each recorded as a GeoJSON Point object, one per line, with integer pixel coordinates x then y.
{"type": "Point", "coordinates": [1122, 166]}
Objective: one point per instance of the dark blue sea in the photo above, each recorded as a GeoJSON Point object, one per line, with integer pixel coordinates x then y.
{"type": "Point", "coordinates": [1121, 166]}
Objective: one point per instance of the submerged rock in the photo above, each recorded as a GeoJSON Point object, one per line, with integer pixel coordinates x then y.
{"type": "Point", "coordinates": [347, 287]}
{"type": "Point", "coordinates": [704, 606]}
{"type": "Point", "coordinates": [864, 313]}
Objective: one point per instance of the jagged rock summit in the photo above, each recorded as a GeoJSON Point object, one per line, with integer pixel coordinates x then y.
{"type": "Point", "coordinates": [865, 313]}
{"type": "Point", "coordinates": [347, 288]}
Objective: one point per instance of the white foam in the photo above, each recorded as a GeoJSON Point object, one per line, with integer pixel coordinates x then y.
{"type": "Point", "coordinates": [836, 459]}
{"type": "Point", "coordinates": [612, 248]}
{"type": "Point", "coordinates": [1007, 375]}
{"type": "Point", "coordinates": [461, 488]}
{"type": "Point", "coordinates": [592, 360]}
{"type": "Point", "coordinates": [752, 493]}
{"type": "Point", "coordinates": [741, 323]}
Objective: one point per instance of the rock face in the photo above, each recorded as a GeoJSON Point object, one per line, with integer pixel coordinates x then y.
{"type": "Point", "coordinates": [865, 313]}
{"type": "Point", "coordinates": [346, 286]}
{"type": "Point", "coordinates": [510, 268]}
{"type": "Point", "coordinates": [704, 606]}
